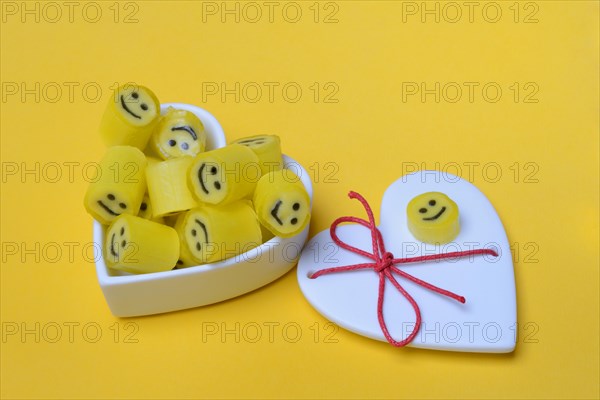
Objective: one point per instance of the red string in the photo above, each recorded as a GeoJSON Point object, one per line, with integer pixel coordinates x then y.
{"type": "Point", "coordinates": [384, 264]}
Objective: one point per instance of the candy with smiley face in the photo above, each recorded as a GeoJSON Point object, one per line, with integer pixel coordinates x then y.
{"type": "Point", "coordinates": [224, 175]}
{"type": "Point", "coordinates": [167, 186]}
{"type": "Point", "coordinates": [268, 150]}
{"type": "Point", "coordinates": [137, 245]}
{"type": "Point", "coordinates": [433, 218]}
{"type": "Point", "coordinates": [178, 133]}
{"type": "Point", "coordinates": [130, 117]}
{"type": "Point", "coordinates": [120, 185]}
{"type": "Point", "coordinates": [209, 234]}
{"type": "Point", "coordinates": [282, 203]}
{"type": "Point", "coordinates": [146, 210]}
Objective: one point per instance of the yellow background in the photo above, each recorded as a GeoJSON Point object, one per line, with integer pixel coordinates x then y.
{"type": "Point", "coordinates": [547, 195]}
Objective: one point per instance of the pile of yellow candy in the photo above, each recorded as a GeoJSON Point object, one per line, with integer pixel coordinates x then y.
{"type": "Point", "coordinates": [168, 203]}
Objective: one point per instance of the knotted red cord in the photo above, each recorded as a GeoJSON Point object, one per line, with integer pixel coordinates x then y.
{"type": "Point", "coordinates": [383, 264]}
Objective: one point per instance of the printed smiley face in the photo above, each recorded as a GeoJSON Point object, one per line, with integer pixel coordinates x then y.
{"type": "Point", "coordinates": [254, 141]}
{"type": "Point", "coordinates": [137, 104]}
{"type": "Point", "coordinates": [433, 218]}
{"type": "Point", "coordinates": [282, 203]}
{"type": "Point", "coordinates": [107, 202]}
{"type": "Point", "coordinates": [137, 245]}
{"type": "Point", "coordinates": [120, 186]}
{"type": "Point", "coordinates": [118, 243]}
{"type": "Point", "coordinates": [211, 181]}
{"type": "Point", "coordinates": [289, 212]}
{"type": "Point", "coordinates": [112, 205]}
{"type": "Point", "coordinates": [130, 117]}
{"type": "Point", "coordinates": [268, 150]}
{"type": "Point", "coordinates": [191, 226]}
{"type": "Point", "coordinates": [197, 236]}
{"type": "Point", "coordinates": [179, 133]}
{"type": "Point", "coordinates": [224, 175]}
{"type": "Point", "coordinates": [209, 234]}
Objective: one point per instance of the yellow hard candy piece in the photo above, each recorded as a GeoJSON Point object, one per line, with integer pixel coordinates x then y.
{"type": "Point", "coordinates": [178, 133]}
{"type": "Point", "coordinates": [224, 175]}
{"type": "Point", "coordinates": [433, 218]}
{"type": "Point", "coordinates": [167, 186]}
{"type": "Point", "coordinates": [120, 185]}
{"type": "Point", "coordinates": [209, 234]}
{"type": "Point", "coordinates": [137, 245]}
{"type": "Point", "coordinates": [130, 117]}
{"type": "Point", "coordinates": [282, 203]}
{"type": "Point", "coordinates": [268, 150]}
{"type": "Point", "coordinates": [146, 210]}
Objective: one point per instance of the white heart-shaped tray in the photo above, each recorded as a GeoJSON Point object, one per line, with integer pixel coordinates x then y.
{"type": "Point", "coordinates": [132, 295]}
{"type": "Point", "coordinates": [485, 323]}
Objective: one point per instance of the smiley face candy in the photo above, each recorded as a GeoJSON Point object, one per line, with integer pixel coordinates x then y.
{"type": "Point", "coordinates": [282, 203]}
{"type": "Point", "coordinates": [179, 133]}
{"type": "Point", "coordinates": [209, 234]}
{"type": "Point", "coordinates": [146, 210]}
{"type": "Point", "coordinates": [120, 186]}
{"type": "Point", "coordinates": [130, 117]}
{"type": "Point", "coordinates": [224, 175]}
{"type": "Point", "coordinates": [268, 150]}
{"type": "Point", "coordinates": [167, 186]}
{"type": "Point", "coordinates": [433, 218]}
{"type": "Point", "coordinates": [137, 245]}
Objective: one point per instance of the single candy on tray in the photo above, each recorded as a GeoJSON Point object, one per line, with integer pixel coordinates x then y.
{"type": "Point", "coordinates": [282, 203]}
{"type": "Point", "coordinates": [268, 150]}
{"type": "Point", "coordinates": [224, 175]}
{"type": "Point", "coordinates": [433, 218]}
{"type": "Point", "coordinates": [178, 133]}
{"type": "Point", "coordinates": [137, 245]}
{"type": "Point", "coordinates": [167, 186]}
{"type": "Point", "coordinates": [130, 117]}
{"type": "Point", "coordinates": [209, 234]}
{"type": "Point", "coordinates": [120, 185]}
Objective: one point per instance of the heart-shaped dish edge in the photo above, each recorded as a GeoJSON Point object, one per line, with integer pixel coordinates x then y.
{"type": "Point", "coordinates": [359, 236]}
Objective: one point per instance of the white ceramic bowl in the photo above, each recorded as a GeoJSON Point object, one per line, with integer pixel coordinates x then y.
{"type": "Point", "coordinates": [131, 295]}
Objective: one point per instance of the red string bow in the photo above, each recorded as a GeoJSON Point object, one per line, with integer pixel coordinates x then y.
{"type": "Point", "coordinates": [384, 264]}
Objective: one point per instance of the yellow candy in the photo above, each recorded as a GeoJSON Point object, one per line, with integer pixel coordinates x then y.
{"type": "Point", "coordinates": [268, 150]}
{"type": "Point", "coordinates": [134, 244]}
{"type": "Point", "coordinates": [152, 160]}
{"type": "Point", "coordinates": [146, 210]}
{"type": "Point", "coordinates": [120, 186]}
{"type": "Point", "coordinates": [130, 117]}
{"type": "Point", "coordinates": [224, 175]}
{"type": "Point", "coordinates": [209, 234]}
{"type": "Point", "coordinates": [433, 218]}
{"type": "Point", "coordinates": [179, 133]}
{"type": "Point", "coordinates": [167, 186]}
{"type": "Point", "coordinates": [282, 203]}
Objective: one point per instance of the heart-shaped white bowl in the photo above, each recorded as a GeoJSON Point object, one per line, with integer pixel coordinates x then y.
{"type": "Point", "coordinates": [485, 323]}
{"type": "Point", "coordinates": [132, 295]}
